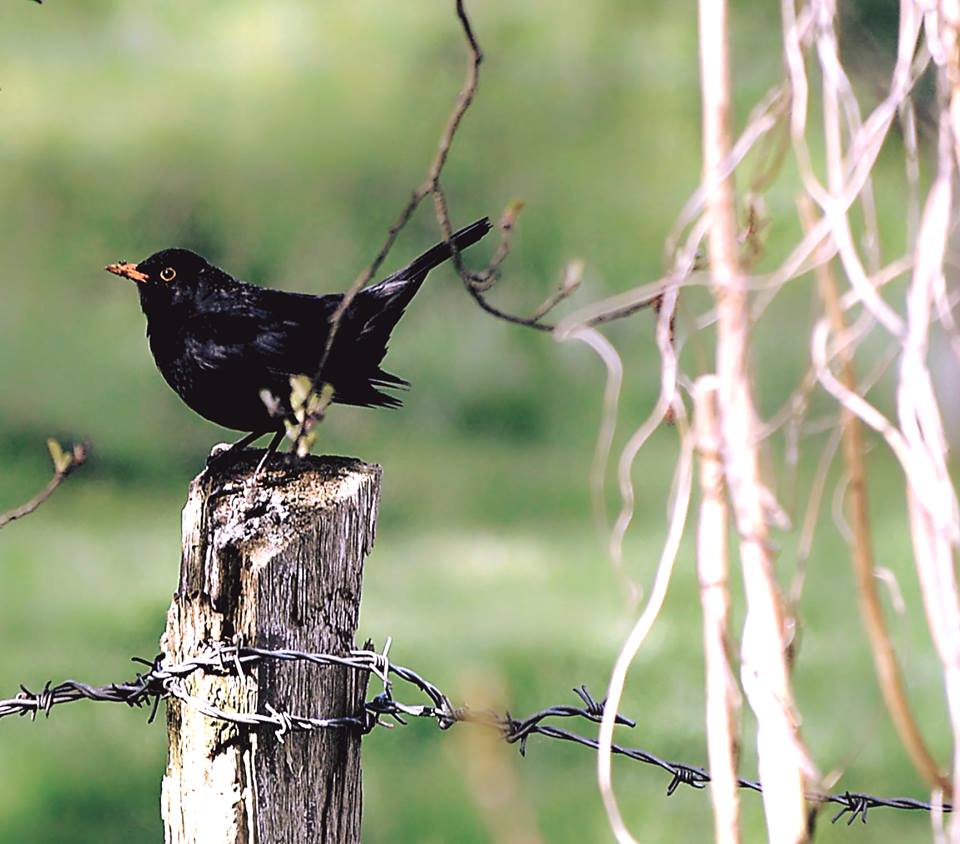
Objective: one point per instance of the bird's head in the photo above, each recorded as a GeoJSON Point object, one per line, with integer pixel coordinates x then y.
{"type": "Point", "coordinates": [168, 276]}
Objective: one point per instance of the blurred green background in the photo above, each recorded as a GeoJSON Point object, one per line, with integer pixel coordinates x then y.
{"type": "Point", "coordinates": [281, 140]}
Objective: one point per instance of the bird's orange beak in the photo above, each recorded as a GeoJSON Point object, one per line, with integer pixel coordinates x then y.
{"type": "Point", "coordinates": [127, 270]}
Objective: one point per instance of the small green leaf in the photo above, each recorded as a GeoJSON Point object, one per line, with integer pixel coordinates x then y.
{"type": "Point", "coordinates": [300, 389]}
{"type": "Point", "coordinates": [306, 443]}
{"type": "Point", "coordinates": [61, 460]}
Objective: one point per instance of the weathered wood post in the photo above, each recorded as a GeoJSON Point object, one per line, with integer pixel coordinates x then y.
{"type": "Point", "coordinates": [277, 562]}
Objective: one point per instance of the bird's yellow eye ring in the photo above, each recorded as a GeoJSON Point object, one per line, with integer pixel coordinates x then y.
{"type": "Point", "coordinates": [169, 274]}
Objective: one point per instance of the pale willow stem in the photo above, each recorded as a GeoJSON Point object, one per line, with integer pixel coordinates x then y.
{"type": "Point", "coordinates": [782, 759]}
{"type": "Point", "coordinates": [723, 696]}
{"type": "Point", "coordinates": [667, 399]}
{"type": "Point", "coordinates": [933, 511]}
{"type": "Point", "coordinates": [889, 676]}
{"type": "Point", "coordinates": [668, 557]}
{"type": "Point", "coordinates": [605, 350]}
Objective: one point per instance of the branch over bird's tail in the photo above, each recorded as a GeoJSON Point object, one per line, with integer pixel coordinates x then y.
{"type": "Point", "coordinates": [376, 309]}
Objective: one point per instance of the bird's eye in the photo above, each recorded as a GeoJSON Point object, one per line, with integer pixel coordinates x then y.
{"type": "Point", "coordinates": [169, 274]}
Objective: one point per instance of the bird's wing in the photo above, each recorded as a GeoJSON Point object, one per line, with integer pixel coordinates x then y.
{"type": "Point", "coordinates": [279, 333]}
{"type": "Point", "coordinates": [266, 337]}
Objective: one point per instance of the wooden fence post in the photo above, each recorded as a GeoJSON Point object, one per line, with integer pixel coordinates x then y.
{"type": "Point", "coordinates": [277, 563]}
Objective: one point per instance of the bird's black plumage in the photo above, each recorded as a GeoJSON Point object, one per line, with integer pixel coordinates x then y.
{"type": "Point", "coordinates": [219, 342]}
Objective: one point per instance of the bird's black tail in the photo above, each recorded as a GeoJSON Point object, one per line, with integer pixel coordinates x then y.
{"type": "Point", "coordinates": [375, 311]}
{"type": "Point", "coordinates": [435, 256]}
{"type": "Point", "coordinates": [383, 303]}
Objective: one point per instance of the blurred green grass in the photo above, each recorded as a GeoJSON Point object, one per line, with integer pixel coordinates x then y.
{"type": "Point", "coordinates": [281, 141]}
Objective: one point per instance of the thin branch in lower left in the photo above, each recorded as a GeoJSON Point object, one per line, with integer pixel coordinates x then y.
{"type": "Point", "coordinates": [64, 462]}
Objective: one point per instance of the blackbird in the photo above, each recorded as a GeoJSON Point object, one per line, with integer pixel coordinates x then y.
{"type": "Point", "coordinates": [220, 342]}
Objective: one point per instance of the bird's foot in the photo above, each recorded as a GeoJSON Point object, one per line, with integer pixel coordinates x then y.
{"type": "Point", "coordinates": [271, 450]}
{"type": "Point", "coordinates": [221, 456]}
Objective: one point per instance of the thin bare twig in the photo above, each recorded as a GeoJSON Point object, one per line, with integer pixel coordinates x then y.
{"type": "Point", "coordinates": [476, 282]}
{"type": "Point", "coordinates": [429, 186]}
{"type": "Point", "coordinates": [64, 462]}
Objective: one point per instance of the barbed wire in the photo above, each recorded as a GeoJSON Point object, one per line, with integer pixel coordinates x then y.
{"type": "Point", "coordinates": [165, 680]}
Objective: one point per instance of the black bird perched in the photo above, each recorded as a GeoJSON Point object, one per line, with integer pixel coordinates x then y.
{"type": "Point", "coordinates": [220, 342]}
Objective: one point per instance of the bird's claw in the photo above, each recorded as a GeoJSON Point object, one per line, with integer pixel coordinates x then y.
{"type": "Point", "coordinates": [222, 459]}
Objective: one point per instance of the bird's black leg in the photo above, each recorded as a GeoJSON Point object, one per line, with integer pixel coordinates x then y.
{"type": "Point", "coordinates": [271, 449]}
{"type": "Point", "coordinates": [243, 442]}
{"type": "Point", "coordinates": [225, 457]}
